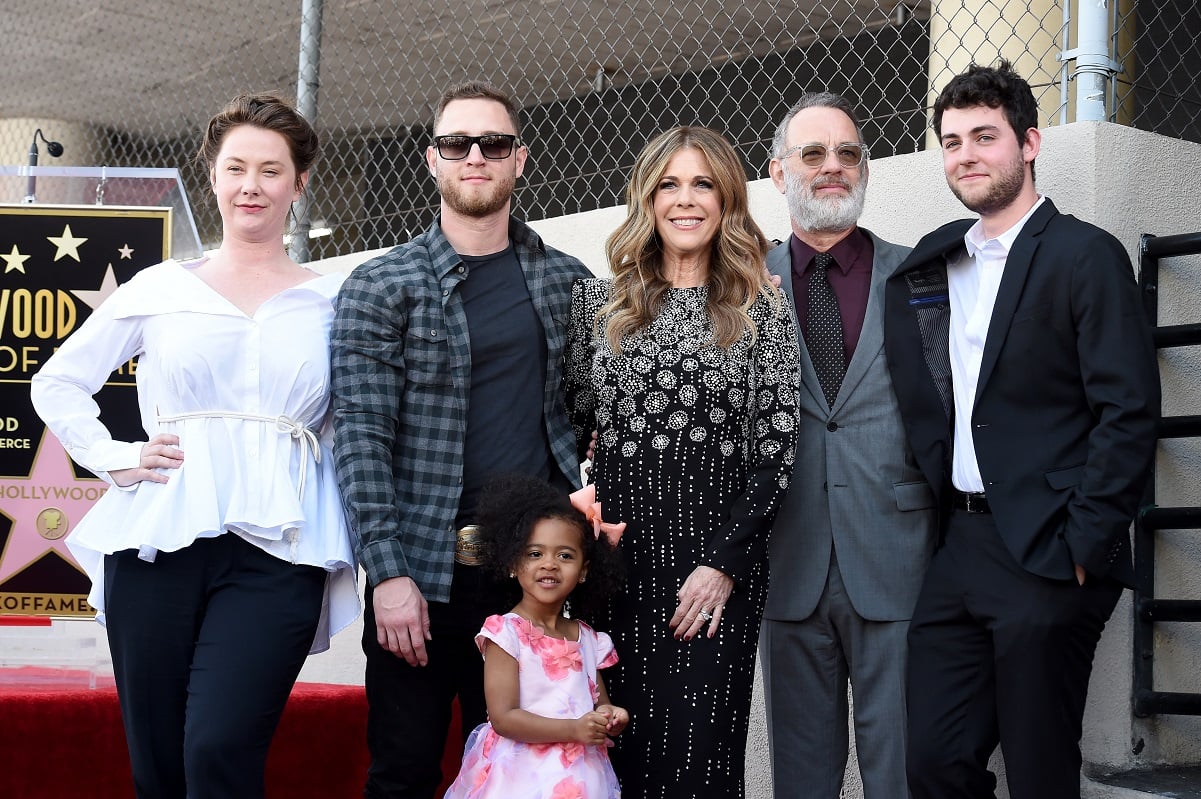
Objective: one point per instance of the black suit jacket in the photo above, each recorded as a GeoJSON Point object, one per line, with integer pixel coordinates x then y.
{"type": "Point", "coordinates": [1067, 403]}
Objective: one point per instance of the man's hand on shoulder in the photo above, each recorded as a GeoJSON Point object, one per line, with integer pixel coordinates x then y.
{"type": "Point", "coordinates": [402, 619]}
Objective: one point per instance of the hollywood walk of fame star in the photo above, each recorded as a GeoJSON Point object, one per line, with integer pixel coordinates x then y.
{"type": "Point", "coordinates": [14, 261]}
{"type": "Point", "coordinates": [126, 253]}
{"type": "Point", "coordinates": [44, 508]}
{"type": "Point", "coordinates": [67, 244]}
{"type": "Point", "coordinates": [107, 287]}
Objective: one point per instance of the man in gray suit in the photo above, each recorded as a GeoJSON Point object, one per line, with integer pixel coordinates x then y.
{"type": "Point", "coordinates": [856, 529]}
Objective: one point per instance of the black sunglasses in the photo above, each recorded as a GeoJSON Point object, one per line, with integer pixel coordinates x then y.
{"type": "Point", "coordinates": [493, 146]}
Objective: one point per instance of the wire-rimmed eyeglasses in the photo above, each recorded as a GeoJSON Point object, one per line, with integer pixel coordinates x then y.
{"type": "Point", "coordinates": [850, 154]}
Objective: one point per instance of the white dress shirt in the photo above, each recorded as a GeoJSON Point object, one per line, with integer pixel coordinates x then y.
{"type": "Point", "coordinates": [973, 279]}
{"type": "Point", "coordinates": [248, 397]}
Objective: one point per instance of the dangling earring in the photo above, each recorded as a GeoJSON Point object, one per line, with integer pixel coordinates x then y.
{"type": "Point", "coordinates": [512, 575]}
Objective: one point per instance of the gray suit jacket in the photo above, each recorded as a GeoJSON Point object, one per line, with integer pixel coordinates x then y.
{"type": "Point", "coordinates": [856, 485]}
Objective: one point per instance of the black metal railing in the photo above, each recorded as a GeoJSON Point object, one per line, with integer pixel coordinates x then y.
{"type": "Point", "coordinates": [1148, 609]}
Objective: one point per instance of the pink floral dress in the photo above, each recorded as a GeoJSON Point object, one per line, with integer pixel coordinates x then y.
{"type": "Point", "coordinates": [557, 679]}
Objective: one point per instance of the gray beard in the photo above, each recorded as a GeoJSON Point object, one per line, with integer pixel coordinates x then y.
{"type": "Point", "coordinates": [822, 215]}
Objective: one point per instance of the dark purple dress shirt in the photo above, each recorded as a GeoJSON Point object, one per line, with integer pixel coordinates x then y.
{"type": "Point", "coordinates": [851, 280]}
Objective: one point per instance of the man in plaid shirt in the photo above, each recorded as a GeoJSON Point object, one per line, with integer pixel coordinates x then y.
{"type": "Point", "coordinates": [446, 371]}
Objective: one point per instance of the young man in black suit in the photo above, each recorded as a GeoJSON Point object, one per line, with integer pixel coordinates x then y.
{"type": "Point", "coordinates": [1028, 386]}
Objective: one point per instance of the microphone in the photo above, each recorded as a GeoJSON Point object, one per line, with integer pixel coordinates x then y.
{"type": "Point", "coordinates": [55, 149]}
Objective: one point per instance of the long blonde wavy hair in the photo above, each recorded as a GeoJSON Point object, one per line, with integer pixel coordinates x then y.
{"type": "Point", "coordinates": [636, 255]}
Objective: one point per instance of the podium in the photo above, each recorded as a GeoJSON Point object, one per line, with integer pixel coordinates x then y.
{"type": "Point", "coordinates": [59, 261]}
{"type": "Point", "coordinates": [107, 187]}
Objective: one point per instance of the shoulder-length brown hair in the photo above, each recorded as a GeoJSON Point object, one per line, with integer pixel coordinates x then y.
{"type": "Point", "coordinates": [636, 255]}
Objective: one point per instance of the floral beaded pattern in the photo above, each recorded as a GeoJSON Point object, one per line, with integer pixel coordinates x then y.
{"type": "Point", "coordinates": [672, 385]}
{"type": "Point", "coordinates": [696, 446]}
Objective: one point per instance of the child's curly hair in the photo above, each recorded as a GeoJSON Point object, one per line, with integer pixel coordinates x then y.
{"type": "Point", "coordinates": [510, 506]}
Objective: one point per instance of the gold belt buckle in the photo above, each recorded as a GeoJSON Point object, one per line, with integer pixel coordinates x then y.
{"type": "Point", "coordinates": [467, 545]}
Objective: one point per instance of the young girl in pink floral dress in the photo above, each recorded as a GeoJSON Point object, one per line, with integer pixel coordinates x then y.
{"type": "Point", "coordinates": [549, 716]}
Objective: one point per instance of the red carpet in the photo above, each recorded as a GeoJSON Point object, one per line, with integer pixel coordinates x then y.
{"type": "Point", "coordinates": [60, 740]}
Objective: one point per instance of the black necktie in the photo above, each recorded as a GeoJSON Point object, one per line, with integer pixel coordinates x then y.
{"type": "Point", "coordinates": [823, 335]}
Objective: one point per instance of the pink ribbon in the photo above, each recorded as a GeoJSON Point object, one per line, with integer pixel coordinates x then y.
{"type": "Point", "coordinates": [585, 502]}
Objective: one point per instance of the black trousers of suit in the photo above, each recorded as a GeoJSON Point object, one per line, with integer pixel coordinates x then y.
{"type": "Point", "coordinates": [997, 654]}
{"type": "Point", "coordinates": [206, 644]}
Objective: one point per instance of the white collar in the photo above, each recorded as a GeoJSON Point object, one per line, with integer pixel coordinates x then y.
{"type": "Point", "coordinates": [975, 241]}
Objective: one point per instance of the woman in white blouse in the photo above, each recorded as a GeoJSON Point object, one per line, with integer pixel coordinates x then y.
{"type": "Point", "coordinates": [220, 555]}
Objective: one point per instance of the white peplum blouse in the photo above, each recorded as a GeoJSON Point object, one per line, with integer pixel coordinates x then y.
{"type": "Point", "coordinates": [248, 397]}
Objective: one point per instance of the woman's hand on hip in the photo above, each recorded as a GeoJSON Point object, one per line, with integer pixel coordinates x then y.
{"type": "Point", "coordinates": [160, 452]}
{"type": "Point", "coordinates": [702, 597]}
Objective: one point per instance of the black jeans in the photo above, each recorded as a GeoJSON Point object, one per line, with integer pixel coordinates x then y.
{"type": "Point", "coordinates": [206, 644]}
{"type": "Point", "coordinates": [409, 707]}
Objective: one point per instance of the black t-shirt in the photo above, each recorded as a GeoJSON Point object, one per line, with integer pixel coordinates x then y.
{"type": "Point", "coordinates": [505, 428]}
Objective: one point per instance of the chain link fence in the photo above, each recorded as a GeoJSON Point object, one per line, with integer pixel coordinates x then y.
{"type": "Point", "coordinates": [597, 78]}
{"type": "Point", "coordinates": [1159, 87]}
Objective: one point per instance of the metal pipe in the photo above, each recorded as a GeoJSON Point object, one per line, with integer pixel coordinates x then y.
{"type": "Point", "coordinates": [1166, 610]}
{"type": "Point", "coordinates": [1178, 518]}
{"type": "Point", "coordinates": [1180, 426]}
{"type": "Point", "coordinates": [1063, 64]}
{"type": "Point", "coordinates": [1093, 65]}
{"type": "Point", "coordinates": [1167, 336]}
{"type": "Point", "coordinates": [1176, 244]}
{"type": "Point", "coordinates": [1149, 703]}
{"type": "Point", "coordinates": [308, 79]}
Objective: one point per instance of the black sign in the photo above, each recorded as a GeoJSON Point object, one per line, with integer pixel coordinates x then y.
{"type": "Point", "coordinates": [57, 264]}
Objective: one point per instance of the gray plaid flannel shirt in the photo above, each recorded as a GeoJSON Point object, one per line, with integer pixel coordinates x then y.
{"type": "Point", "coordinates": [401, 375]}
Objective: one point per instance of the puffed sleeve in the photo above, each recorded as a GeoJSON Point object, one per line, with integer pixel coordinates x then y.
{"type": "Point", "coordinates": [740, 544]}
{"type": "Point", "coordinates": [501, 632]}
{"type": "Point", "coordinates": [606, 653]}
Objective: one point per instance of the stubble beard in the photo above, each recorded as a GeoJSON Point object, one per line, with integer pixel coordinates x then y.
{"type": "Point", "coordinates": [999, 194]}
{"type": "Point", "coordinates": [823, 214]}
{"type": "Point", "coordinates": [492, 198]}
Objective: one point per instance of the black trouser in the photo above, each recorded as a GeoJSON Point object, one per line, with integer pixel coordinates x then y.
{"type": "Point", "coordinates": [206, 644]}
{"type": "Point", "coordinates": [999, 654]}
{"type": "Point", "coordinates": [409, 707]}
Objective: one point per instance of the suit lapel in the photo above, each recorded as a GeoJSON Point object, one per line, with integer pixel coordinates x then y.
{"type": "Point", "coordinates": [871, 337]}
{"type": "Point", "coordinates": [924, 275]}
{"type": "Point", "coordinates": [779, 263]}
{"type": "Point", "coordinates": [1013, 281]}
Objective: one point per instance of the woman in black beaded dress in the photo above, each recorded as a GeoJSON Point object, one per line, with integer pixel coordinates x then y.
{"type": "Point", "coordinates": [685, 363]}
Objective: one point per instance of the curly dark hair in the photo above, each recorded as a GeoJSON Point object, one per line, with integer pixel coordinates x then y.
{"type": "Point", "coordinates": [996, 87]}
{"type": "Point", "coordinates": [510, 506]}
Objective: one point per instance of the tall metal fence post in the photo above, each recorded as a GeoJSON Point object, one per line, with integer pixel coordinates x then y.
{"type": "Point", "coordinates": [307, 81]}
{"type": "Point", "coordinates": [1064, 76]}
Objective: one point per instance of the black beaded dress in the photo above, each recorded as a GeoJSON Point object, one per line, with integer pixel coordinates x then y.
{"type": "Point", "coordinates": [696, 447]}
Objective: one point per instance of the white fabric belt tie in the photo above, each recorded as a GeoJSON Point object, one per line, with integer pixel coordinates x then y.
{"type": "Point", "coordinates": [283, 424]}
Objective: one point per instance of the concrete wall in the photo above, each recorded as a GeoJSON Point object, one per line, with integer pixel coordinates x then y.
{"type": "Point", "coordinates": [1126, 180]}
